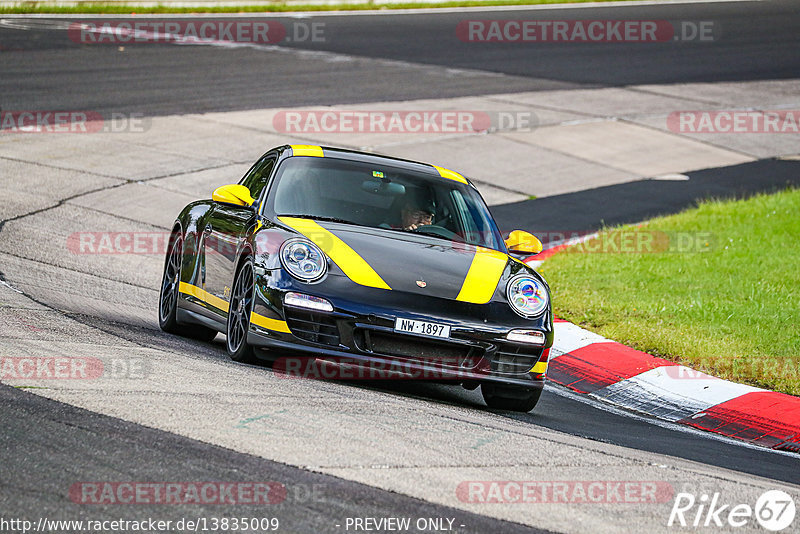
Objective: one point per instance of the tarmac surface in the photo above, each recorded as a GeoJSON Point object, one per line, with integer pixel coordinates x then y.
{"type": "Point", "coordinates": [180, 410]}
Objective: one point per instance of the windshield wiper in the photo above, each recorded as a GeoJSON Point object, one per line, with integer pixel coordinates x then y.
{"type": "Point", "coordinates": [319, 218]}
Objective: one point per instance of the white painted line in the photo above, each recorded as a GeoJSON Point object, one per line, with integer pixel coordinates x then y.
{"type": "Point", "coordinates": [9, 286]}
{"type": "Point", "coordinates": [382, 12]}
{"type": "Point", "coordinates": [673, 177]}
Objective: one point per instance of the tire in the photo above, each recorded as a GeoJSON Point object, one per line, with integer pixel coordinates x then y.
{"type": "Point", "coordinates": [238, 323]}
{"type": "Point", "coordinates": [168, 298]}
{"type": "Point", "coordinates": [511, 398]}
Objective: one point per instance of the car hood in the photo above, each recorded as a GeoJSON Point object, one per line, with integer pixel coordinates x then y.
{"type": "Point", "coordinates": [406, 261]}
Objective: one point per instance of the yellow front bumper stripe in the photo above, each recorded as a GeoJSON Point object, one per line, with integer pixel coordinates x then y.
{"type": "Point", "coordinates": [483, 275]}
{"type": "Point", "coordinates": [539, 368]}
{"type": "Point", "coordinates": [270, 324]}
{"type": "Point", "coordinates": [348, 260]}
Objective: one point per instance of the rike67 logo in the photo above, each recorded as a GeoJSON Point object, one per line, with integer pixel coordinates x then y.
{"type": "Point", "coordinates": [774, 510]}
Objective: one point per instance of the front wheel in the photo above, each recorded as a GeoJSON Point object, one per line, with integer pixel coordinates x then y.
{"type": "Point", "coordinates": [239, 314]}
{"type": "Point", "coordinates": [512, 398]}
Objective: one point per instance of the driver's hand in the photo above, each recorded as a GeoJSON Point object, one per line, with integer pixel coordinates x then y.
{"type": "Point", "coordinates": [412, 227]}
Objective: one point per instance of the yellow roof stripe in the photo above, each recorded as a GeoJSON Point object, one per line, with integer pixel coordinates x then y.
{"type": "Point", "coordinates": [348, 260]}
{"type": "Point", "coordinates": [483, 275]}
{"type": "Point", "coordinates": [307, 150]}
{"type": "Point", "coordinates": [447, 173]}
{"type": "Point", "coordinates": [202, 294]}
{"type": "Point", "coordinates": [270, 324]}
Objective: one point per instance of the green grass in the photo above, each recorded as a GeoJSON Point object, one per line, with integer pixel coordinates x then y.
{"type": "Point", "coordinates": [277, 7]}
{"type": "Point", "coordinates": [729, 307]}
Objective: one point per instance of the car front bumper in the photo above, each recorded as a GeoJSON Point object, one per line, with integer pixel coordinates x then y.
{"type": "Point", "coordinates": [360, 335]}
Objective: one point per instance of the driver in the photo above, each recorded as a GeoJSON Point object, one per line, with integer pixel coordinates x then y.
{"type": "Point", "coordinates": [415, 214]}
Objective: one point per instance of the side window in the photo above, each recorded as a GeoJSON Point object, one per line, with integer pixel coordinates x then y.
{"type": "Point", "coordinates": [256, 179]}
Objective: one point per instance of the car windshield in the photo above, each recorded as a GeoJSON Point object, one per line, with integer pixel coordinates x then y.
{"type": "Point", "coordinates": [381, 196]}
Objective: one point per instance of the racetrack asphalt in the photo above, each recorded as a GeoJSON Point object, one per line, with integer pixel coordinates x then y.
{"type": "Point", "coordinates": [63, 446]}
{"type": "Point", "coordinates": [587, 211]}
{"type": "Point", "coordinates": [383, 56]}
{"type": "Point", "coordinates": [79, 306]}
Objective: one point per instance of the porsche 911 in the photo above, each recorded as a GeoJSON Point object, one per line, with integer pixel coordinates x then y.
{"type": "Point", "coordinates": [336, 255]}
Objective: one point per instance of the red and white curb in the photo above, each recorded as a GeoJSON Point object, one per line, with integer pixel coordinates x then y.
{"type": "Point", "coordinates": [590, 364]}
{"type": "Point", "coordinates": [536, 261]}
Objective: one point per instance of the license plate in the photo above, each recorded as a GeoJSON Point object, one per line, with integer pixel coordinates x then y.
{"type": "Point", "coordinates": [422, 328]}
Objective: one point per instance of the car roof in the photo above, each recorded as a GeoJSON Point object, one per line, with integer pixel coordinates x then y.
{"type": "Point", "coordinates": [376, 159]}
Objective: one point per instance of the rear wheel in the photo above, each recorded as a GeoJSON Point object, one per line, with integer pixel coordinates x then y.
{"type": "Point", "coordinates": [239, 314]}
{"type": "Point", "coordinates": [512, 398]}
{"type": "Point", "coordinates": [168, 299]}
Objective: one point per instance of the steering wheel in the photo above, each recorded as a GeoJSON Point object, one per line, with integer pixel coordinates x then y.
{"type": "Point", "coordinates": [436, 230]}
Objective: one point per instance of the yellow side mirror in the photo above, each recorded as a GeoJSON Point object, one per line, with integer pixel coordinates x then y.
{"type": "Point", "coordinates": [523, 242]}
{"type": "Point", "coordinates": [233, 194]}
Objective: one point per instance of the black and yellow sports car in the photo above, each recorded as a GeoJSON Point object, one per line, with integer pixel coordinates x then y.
{"type": "Point", "coordinates": [380, 262]}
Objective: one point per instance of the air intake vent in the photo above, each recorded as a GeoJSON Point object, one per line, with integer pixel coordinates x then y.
{"type": "Point", "coordinates": [313, 327]}
{"type": "Point", "coordinates": [515, 359]}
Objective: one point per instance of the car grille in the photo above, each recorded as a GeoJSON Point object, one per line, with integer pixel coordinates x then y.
{"type": "Point", "coordinates": [314, 327]}
{"type": "Point", "coordinates": [403, 346]}
{"type": "Point", "coordinates": [515, 359]}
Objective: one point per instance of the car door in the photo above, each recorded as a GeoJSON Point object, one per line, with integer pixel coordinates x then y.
{"type": "Point", "coordinates": [225, 230]}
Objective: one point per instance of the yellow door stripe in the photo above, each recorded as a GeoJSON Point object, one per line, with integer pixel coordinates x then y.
{"type": "Point", "coordinates": [205, 296]}
{"type": "Point", "coordinates": [483, 275]}
{"type": "Point", "coordinates": [270, 324]}
{"type": "Point", "coordinates": [452, 175]}
{"type": "Point", "coordinates": [258, 320]}
{"type": "Point", "coordinates": [307, 150]}
{"type": "Point", "coordinates": [540, 368]}
{"type": "Point", "coordinates": [348, 260]}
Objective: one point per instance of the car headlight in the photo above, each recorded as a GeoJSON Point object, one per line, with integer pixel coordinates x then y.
{"type": "Point", "coordinates": [527, 296]}
{"type": "Point", "coordinates": [303, 259]}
